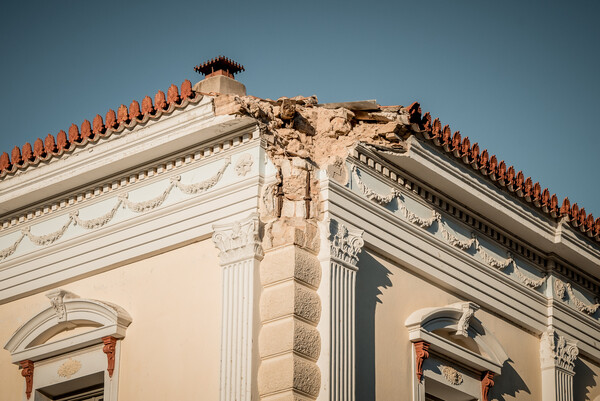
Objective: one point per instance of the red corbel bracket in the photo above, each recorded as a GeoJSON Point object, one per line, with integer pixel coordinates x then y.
{"type": "Point", "coordinates": [110, 346]}
{"type": "Point", "coordinates": [421, 353]}
{"type": "Point", "coordinates": [27, 373]}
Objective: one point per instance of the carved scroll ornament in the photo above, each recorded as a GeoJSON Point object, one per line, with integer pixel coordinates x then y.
{"type": "Point", "coordinates": [27, 373]}
{"type": "Point", "coordinates": [487, 383]}
{"type": "Point", "coordinates": [110, 348]}
{"type": "Point", "coordinates": [421, 353]}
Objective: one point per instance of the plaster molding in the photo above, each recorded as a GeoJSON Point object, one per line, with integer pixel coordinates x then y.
{"type": "Point", "coordinates": [557, 357]}
{"type": "Point", "coordinates": [69, 368]}
{"type": "Point", "coordinates": [244, 165]}
{"type": "Point", "coordinates": [137, 207]}
{"type": "Point", "coordinates": [452, 239]}
{"type": "Point", "coordinates": [389, 171]}
{"type": "Point", "coordinates": [371, 194]}
{"type": "Point", "coordinates": [562, 289]}
{"type": "Point", "coordinates": [57, 301]}
{"type": "Point", "coordinates": [98, 222]}
{"type": "Point", "coordinates": [452, 375]}
{"type": "Point", "coordinates": [345, 244]}
{"type": "Point", "coordinates": [557, 351]}
{"type": "Point", "coordinates": [184, 160]}
{"type": "Point", "coordinates": [239, 240]}
{"type": "Point", "coordinates": [108, 320]}
{"type": "Point", "coordinates": [468, 311]}
{"type": "Point", "coordinates": [559, 288]}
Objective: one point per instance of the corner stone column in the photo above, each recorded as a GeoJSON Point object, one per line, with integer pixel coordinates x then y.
{"type": "Point", "coordinates": [558, 357]}
{"type": "Point", "coordinates": [240, 256]}
{"type": "Point", "coordinates": [339, 256]}
{"type": "Point", "coordinates": [290, 310]}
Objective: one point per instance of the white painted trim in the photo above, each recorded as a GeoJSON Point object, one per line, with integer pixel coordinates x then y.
{"type": "Point", "coordinates": [112, 320]}
{"type": "Point", "coordinates": [469, 188]}
{"type": "Point", "coordinates": [423, 322]}
{"type": "Point", "coordinates": [240, 255]}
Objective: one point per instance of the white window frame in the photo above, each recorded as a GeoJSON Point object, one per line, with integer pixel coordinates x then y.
{"type": "Point", "coordinates": [84, 351]}
{"type": "Point", "coordinates": [457, 319]}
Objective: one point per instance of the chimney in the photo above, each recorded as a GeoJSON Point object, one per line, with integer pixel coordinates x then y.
{"type": "Point", "coordinates": [219, 77]}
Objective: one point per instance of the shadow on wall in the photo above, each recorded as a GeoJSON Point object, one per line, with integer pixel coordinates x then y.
{"type": "Point", "coordinates": [371, 277]}
{"type": "Point", "coordinates": [583, 381]}
{"type": "Point", "coordinates": [509, 383]}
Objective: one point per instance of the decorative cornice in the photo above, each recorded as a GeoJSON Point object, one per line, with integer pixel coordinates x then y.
{"type": "Point", "coordinates": [239, 240]}
{"type": "Point", "coordinates": [345, 244]}
{"type": "Point", "coordinates": [557, 351]}
{"type": "Point", "coordinates": [365, 158]}
{"type": "Point", "coordinates": [137, 207]}
{"type": "Point", "coordinates": [182, 161]}
{"type": "Point", "coordinates": [449, 237]}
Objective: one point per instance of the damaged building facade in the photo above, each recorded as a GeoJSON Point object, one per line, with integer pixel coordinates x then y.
{"type": "Point", "coordinates": [211, 245]}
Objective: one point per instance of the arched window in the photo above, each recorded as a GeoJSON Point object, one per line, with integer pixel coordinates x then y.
{"type": "Point", "coordinates": [70, 348]}
{"type": "Point", "coordinates": [455, 356]}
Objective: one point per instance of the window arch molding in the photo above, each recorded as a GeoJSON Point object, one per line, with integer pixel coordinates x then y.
{"type": "Point", "coordinates": [89, 355]}
{"type": "Point", "coordinates": [443, 332]}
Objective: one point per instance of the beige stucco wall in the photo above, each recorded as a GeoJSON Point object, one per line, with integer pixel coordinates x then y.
{"type": "Point", "coordinates": [586, 383]}
{"type": "Point", "coordinates": [172, 346]}
{"type": "Point", "coordinates": [386, 295]}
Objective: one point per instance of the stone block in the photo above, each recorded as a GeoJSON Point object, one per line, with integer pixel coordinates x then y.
{"type": "Point", "coordinates": [289, 334]}
{"type": "Point", "coordinates": [290, 261]}
{"type": "Point", "coordinates": [286, 373]}
{"type": "Point", "coordinates": [287, 298]}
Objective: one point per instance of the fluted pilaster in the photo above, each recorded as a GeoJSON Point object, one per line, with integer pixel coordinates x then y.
{"type": "Point", "coordinates": [339, 257]}
{"type": "Point", "coordinates": [240, 254]}
{"type": "Point", "coordinates": [558, 356]}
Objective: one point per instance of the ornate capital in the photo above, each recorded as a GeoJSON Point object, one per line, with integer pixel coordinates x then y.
{"type": "Point", "coordinates": [27, 373]}
{"type": "Point", "coordinates": [239, 240]}
{"type": "Point", "coordinates": [345, 244]}
{"type": "Point", "coordinates": [557, 351]}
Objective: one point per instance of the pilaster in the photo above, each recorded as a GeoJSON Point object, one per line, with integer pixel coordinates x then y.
{"type": "Point", "coordinates": [558, 357]}
{"type": "Point", "coordinates": [339, 257]}
{"type": "Point", "coordinates": [240, 256]}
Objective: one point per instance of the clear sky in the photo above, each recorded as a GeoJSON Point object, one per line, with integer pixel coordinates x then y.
{"type": "Point", "coordinates": [519, 77]}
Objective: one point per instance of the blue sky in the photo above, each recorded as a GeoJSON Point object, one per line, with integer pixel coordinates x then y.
{"type": "Point", "coordinates": [521, 78]}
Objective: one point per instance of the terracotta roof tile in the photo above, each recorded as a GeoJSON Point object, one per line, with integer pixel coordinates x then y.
{"type": "Point", "coordinates": [91, 132]}
{"type": "Point", "coordinates": [503, 176]}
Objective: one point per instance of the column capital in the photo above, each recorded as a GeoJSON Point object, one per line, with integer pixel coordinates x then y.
{"type": "Point", "coordinates": [557, 351]}
{"type": "Point", "coordinates": [238, 240]}
{"type": "Point", "coordinates": [345, 244]}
